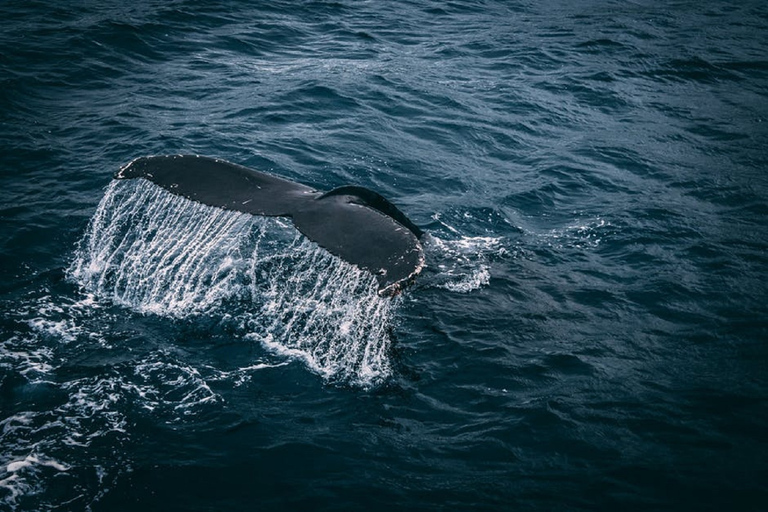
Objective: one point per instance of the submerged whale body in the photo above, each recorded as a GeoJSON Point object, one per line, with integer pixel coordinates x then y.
{"type": "Point", "coordinates": [353, 223]}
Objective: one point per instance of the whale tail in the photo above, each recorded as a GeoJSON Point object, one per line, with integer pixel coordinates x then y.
{"type": "Point", "coordinates": [354, 223]}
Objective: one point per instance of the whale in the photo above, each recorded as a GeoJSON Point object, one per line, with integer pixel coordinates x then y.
{"type": "Point", "coordinates": [353, 223]}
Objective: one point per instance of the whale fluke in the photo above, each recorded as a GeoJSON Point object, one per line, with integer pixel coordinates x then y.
{"type": "Point", "coordinates": [353, 223]}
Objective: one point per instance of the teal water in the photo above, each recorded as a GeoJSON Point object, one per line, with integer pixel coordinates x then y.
{"type": "Point", "coordinates": [590, 331]}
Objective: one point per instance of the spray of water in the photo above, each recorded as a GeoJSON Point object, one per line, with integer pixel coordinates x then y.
{"type": "Point", "coordinates": [161, 254]}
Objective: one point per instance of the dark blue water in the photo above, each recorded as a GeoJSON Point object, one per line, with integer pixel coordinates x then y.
{"type": "Point", "coordinates": [590, 332]}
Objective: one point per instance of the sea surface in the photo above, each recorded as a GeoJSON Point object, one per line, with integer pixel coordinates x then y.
{"type": "Point", "coordinates": [591, 329]}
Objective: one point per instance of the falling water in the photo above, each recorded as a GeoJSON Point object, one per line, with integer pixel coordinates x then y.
{"type": "Point", "coordinates": [157, 253]}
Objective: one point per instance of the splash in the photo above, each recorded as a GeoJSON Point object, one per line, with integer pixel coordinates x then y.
{"type": "Point", "coordinates": [334, 320]}
{"type": "Point", "coordinates": [157, 253]}
{"type": "Point", "coordinates": [459, 262]}
{"type": "Point", "coordinates": [462, 265]}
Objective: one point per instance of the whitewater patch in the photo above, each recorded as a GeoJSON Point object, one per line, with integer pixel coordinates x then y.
{"type": "Point", "coordinates": [60, 408]}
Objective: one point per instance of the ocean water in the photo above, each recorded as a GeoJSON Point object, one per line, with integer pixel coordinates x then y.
{"type": "Point", "coordinates": [591, 329]}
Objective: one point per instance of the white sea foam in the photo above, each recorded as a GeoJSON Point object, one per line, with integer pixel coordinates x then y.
{"type": "Point", "coordinates": [462, 265]}
{"type": "Point", "coordinates": [171, 387]}
{"type": "Point", "coordinates": [90, 412]}
{"type": "Point", "coordinates": [37, 444]}
{"type": "Point", "coordinates": [240, 376]}
{"type": "Point", "coordinates": [26, 356]}
{"type": "Point", "coordinates": [580, 234]}
{"type": "Point", "coordinates": [16, 478]}
{"type": "Point", "coordinates": [32, 460]}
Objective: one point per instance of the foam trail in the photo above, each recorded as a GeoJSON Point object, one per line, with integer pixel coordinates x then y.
{"type": "Point", "coordinates": [158, 253]}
